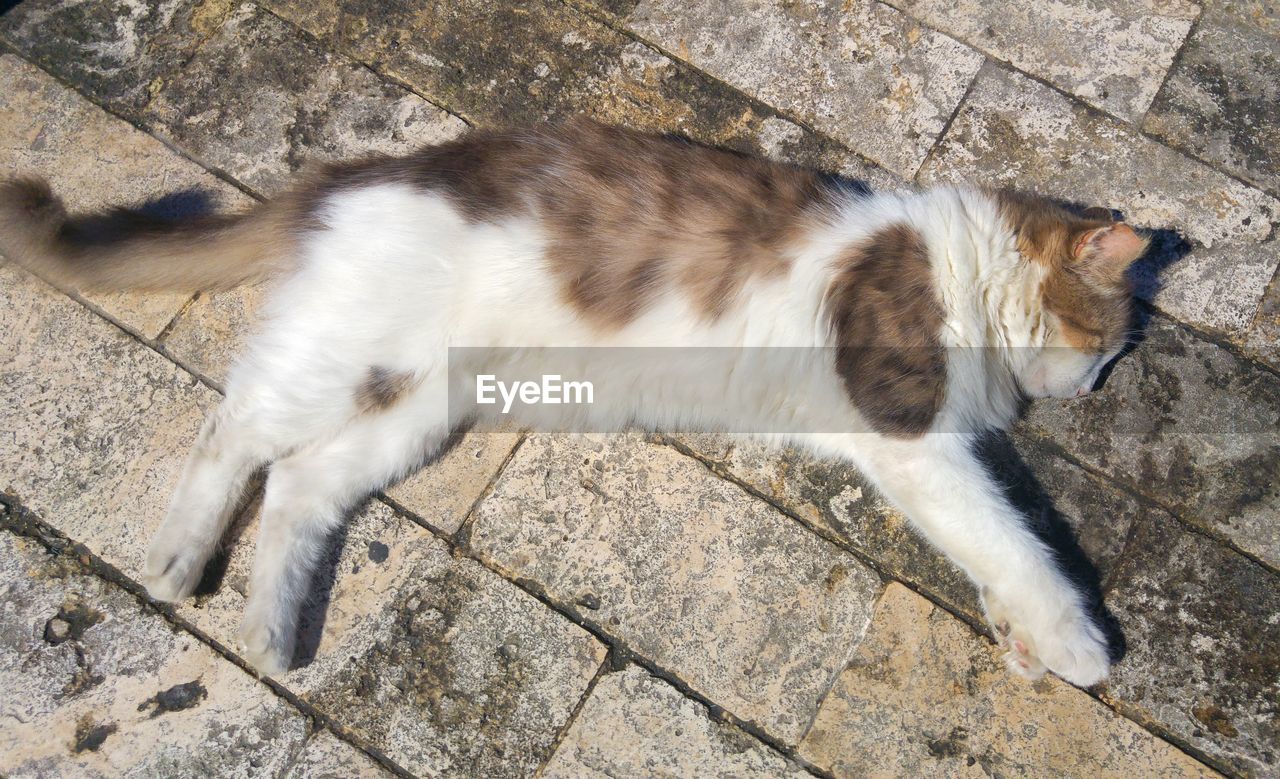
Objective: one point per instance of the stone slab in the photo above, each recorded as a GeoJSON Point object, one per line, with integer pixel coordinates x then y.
{"type": "Point", "coordinates": [327, 757]}
{"type": "Point", "coordinates": [94, 684]}
{"type": "Point", "coordinates": [1014, 131]}
{"type": "Point", "coordinates": [442, 665]}
{"type": "Point", "coordinates": [739, 602]}
{"type": "Point", "coordinates": [1112, 55]}
{"type": "Point", "coordinates": [1263, 338]}
{"type": "Point", "coordinates": [495, 64]}
{"type": "Point", "coordinates": [116, 51]}
{"type": "Point", "coordinates": [1220, 100]}
{"type": "Point", "coordinates": [214, 330]}
{"type": "Point", "coordinates": [1203, 640]}
{"type": "Point", "coordinates": [1190, 425]}
{"type": "Point", "coordinates": [94, 426]}
{"type": "Point", "coordinates": [923, 696]}
{"type": "Point", "coordinates": [94, 160]}
{"type": "Point", "coordinates": [435, 661]}
{"type": "Point", "coordinates": [443, 493]}
{"type": "Point", "coordinates": [637, 725]}
{"type": "Point", "coordinates": [512, 64]}
{"type": "Point", "coordinates": [260, 100]}
{"type": "Point", "coordinates": [862, 72]}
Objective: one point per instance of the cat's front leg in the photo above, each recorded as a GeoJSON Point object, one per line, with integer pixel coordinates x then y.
{"type": "Point", "coordinates": [1037, 613]}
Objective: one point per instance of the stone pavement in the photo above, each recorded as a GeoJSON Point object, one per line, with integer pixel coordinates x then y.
{"type": "Point", "coordinates": [642, 604]}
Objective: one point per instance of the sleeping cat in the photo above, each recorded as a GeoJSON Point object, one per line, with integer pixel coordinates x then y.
{"type": "Point", "coordinates": [935, 313]}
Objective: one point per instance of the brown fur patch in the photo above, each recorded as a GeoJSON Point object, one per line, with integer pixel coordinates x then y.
{"type": "Point", "coordinates": [629, 215]}
{"type": "Point", "coordinates": [886, 317]}
{"type": "Point", "coordinates": [381, 388]}
{"type": "Point", "coordinates": [1089, 296]}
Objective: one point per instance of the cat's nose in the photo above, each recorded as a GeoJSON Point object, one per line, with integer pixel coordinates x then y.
{"type": "Point", "coordinates": [1080, 393]}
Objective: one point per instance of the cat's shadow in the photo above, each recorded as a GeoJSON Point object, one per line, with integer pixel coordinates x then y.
{"type": "Point", "coordinates": [106, 227]}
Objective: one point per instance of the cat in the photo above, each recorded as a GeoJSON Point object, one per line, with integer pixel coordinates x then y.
{"type": "Point", "coordinates": [937, 313]}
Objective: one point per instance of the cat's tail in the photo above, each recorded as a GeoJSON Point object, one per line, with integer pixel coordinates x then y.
{"type": "Point", "coordinates": [121, 249]}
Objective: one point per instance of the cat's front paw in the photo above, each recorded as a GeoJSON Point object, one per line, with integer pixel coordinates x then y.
{"type": "Point", "coordinates": [1058, 638]}
{"type": "Point", "coordinates": [1077, 651]}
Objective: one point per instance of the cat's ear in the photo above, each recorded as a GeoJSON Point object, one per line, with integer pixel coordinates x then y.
{"type": "Point", "coordinates": [1108, 251]}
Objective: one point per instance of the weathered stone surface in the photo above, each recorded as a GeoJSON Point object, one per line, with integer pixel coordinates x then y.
{"type": "Point", "coordinates": [438, 663]}
{"type": "Point", "coordinates": [1220, 101]}
{"type": "Point", "coordinates": [512, 64]}
{"type": "Point", "coordinates": [738, 601]}
{"type": "Point", "coordinates": [120, 692]}
{"type": "Point", "coordinates": [1203, 646]}
{"type": "Point", "coordinates": [637, 725]}
{"type": "Point", "coordinates": [1014, 131]}
{"type": "Point", "coordinates": [862, 72]}
{"type": "Point", "coordinates": [1263, 338]}
{"type": "Point", "coordinates": [1190, 425]}
{"type": "Point", "coordinates": [117, 51]}
{"type": "Point", "coordinates": [836, 497]}
{"type": "Point", "coordinates": [94, 426]}
{"type": "Point", "coordinates": [454, 671]}
{"type": "Point", "coordinates": [259, 100]}
{"type": "Point", "coordinates": [443, 493]}
{"type": "Point", "coordinates": [214, 330]}
{"type": "Point", "coordinates": [1112, 55]}
{"type": "Point", "coordinates": [923, 696]}
{"type": "Point", "coordinates": [95, 440]}
{"type": "Point", "coordinates": [95, 160]}
{"type": "Point", "coordinates": [328, 757]}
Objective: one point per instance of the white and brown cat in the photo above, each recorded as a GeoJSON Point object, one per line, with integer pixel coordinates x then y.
{"type": "Point", "coordinates": [938, 310]}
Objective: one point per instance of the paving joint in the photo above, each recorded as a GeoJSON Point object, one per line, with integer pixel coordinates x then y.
{"type": "Point", "coordinates": [946, 126]}
{"type": "Point", "coordinates": [593, 14]}
{"type": "Point", "coordinates": [1186, 524]}
{"type": "Point", "coordinates": [535, 590]}
{"type": "Point", "coordinates": [351, 58]}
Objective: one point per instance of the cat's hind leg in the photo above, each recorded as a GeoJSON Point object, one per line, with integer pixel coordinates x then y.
{"type": "Point", "coordinates": [229, 449]}
{"type": "Point", "coordinates": [270, 409]}
{"type": "Point", "coordinates": [308, 495]}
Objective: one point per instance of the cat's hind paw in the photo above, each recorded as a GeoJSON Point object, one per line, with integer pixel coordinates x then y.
{"type": "Point", "coordinates": [171, 576]}
{"type": "Point", "coordinates": [263, 649]}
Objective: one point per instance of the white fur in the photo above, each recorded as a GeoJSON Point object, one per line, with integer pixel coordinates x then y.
{"type": "Point", "coordinates": [400, 276]}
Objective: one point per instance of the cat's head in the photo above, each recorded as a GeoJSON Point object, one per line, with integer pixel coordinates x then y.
{"type": "Point", "coordinates": [1085, 299]}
